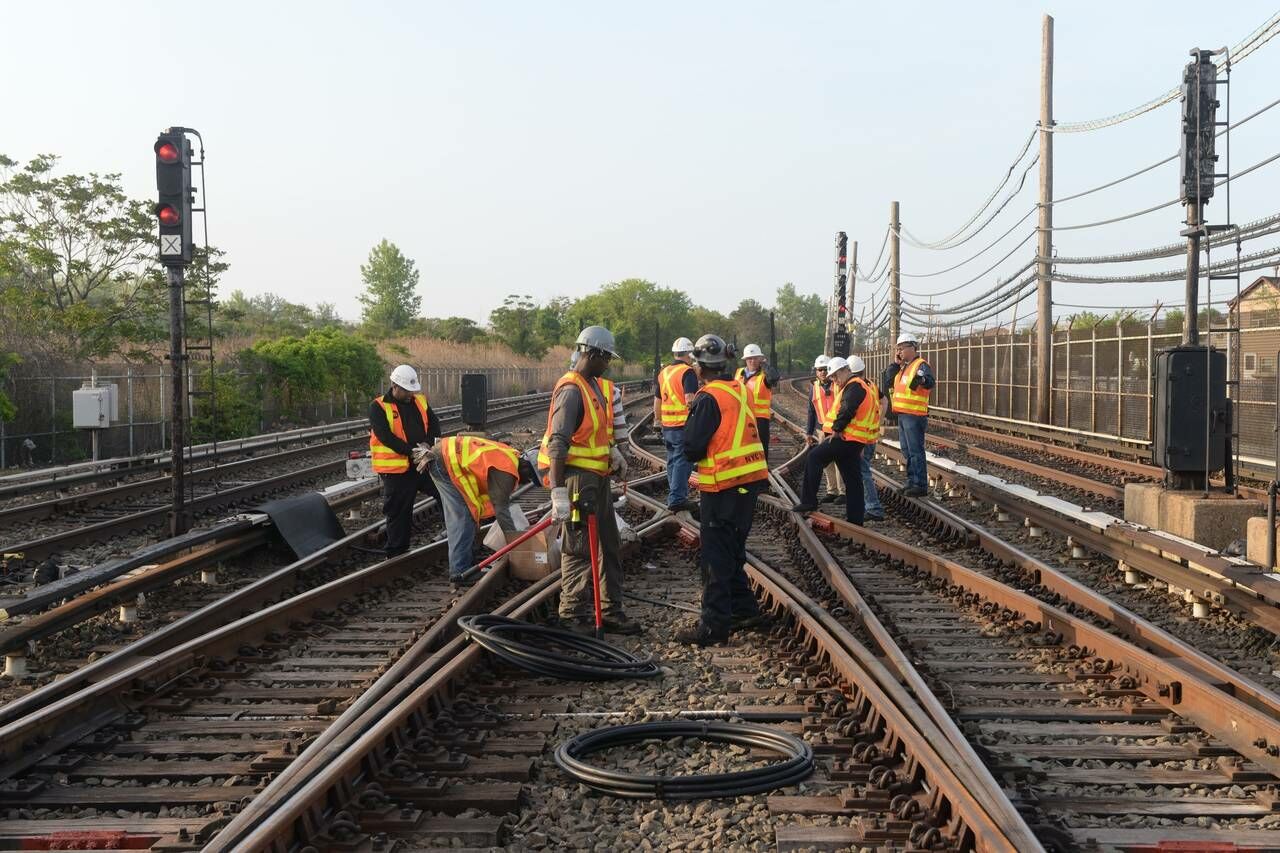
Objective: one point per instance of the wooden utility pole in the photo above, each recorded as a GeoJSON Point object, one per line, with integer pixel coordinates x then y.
{"type": "Point", "coordinates": [895, 299]}
{"type": "Point", "coordinates": [1044, 245]}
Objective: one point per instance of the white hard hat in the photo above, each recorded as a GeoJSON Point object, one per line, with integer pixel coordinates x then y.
{"type": "Point", "coordinates": [753, 351]}
{"type": "Point", "coordinates": [597, 338]}
{"type": "Point", "coordinates": [682, 345]}
{"type": "Point", "coordinates": [820, 361]}
{"type": "Point", "coordinates": [406, 377]}
{"type": "Point", "coordinates": [856, 364]}
{"type": "Point", "coordinates": [907, 338]}
{"type": "Point", "coordinates": [836, 363]}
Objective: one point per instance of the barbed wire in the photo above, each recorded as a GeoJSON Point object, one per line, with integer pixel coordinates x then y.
{"type": "Point", "coordinates": [1251, 43]}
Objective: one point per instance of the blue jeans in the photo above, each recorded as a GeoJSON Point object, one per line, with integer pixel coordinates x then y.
{"type": "Point", "coordinates": [678, 467]}
{"type": "Point", "coordinates": [911, 437]}
{"type": "Point", "coordinates": [870, 497]}
{"type": "Point", "coordinates": [459, 524]}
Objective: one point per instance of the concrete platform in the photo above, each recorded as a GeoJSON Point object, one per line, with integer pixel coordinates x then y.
{"type": "Point", "coordinates": [1257, 537]}
{"type": "Point", "coordinates": [1215, 521]}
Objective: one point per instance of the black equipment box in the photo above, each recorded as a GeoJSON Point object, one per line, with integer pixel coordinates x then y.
{"type": "Point", "coordinates": [475, 399]}
{"type": "Point", "coordinates": [1190, 386]}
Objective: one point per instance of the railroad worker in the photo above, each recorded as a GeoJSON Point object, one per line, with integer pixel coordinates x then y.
{"type": "Point", "coordinates": [854, 417]}
{"type": "Point", "coordinates": [873, 510]}
{"type": "Point", "coordinates": [761, 378]}
{"type": "Point", "coordinates": [720, 435]}
{"type": "Point", "coordinates": [821, 397]}
{"type": "Point", "coordinates": [401, 426]}
{"type": "Point", "coordinates": [673, 392]}
{"type": "Point", "coordinates": [578, 456]}
{"type": "Point", "coordinates": [909, 399]}
{"type": "Point", "coordinates": [475, 477]}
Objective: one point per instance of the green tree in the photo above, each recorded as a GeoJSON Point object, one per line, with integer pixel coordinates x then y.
{"type": "Point", "coordinates": [79, 261]}
{"type": "Point", "coordinates": [513, 324]}
{"type": "Point", "coordinates": [390, 300]}
{"type": "Point", "coordinates": [7, 409]}
{"type": "Point", "coordinates": [750, 323]}
{"type": "Point", "coordinates": [801, 321]}
{"type": "Point", "coordinates": [305, 371]}
{"type": "Point", "coordinates": [461, 330]}
{"type": "Point", "coordinates": [629, 309]}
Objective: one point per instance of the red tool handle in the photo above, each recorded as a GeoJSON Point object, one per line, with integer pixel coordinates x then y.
{"type": "Point", "coordinates": [593, 538]}
{"type": "Point", "coordinates": [505, 549]}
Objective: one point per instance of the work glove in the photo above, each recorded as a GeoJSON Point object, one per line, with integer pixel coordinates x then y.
{"type": "Point", "coordinates": [915, 381]}
{"type": "Point", "coordinates": [617, 463]}
{"type": "Point", "coordinates": [560, 506]}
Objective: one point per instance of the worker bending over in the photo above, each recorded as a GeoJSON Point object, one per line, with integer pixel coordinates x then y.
{"type": "Point", "coordinates": [475, 478]}
{"type": "Point", "coordinates": [911, 380]}
{"type": "Point", "coordinates": [676, 386]}
{"type": "Point", "coordinates": [578, 457]}
{"type": "Point", "coordinates": [402, 428]}
{"type": "Point", "coordinates": [761, 378]}
{"type": "Point", "coordinates": [721, 437]}
{"type": "Point", "coordinates": [822, 398]}
{"type": "Point", "coordinates": [853, 422]}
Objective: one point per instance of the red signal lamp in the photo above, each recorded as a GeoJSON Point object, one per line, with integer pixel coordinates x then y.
{"type": "Point", "coordinates": [167, 152]}
{"type": "Point", "coordinates": [168, 214]}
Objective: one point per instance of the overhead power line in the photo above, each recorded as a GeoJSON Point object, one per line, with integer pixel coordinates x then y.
{"type": "Point", "coordinates": [1266, 258]}
{"type": "Point", "coordinates": [1251, 231]}
{"type": "Point", "coordinates": [1251, 43]}
{"type": "Point", "coordinates": [1022, 181]}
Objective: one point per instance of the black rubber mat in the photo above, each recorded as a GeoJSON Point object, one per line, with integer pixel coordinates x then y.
{"type": "Point", "coordinates": [306, 522]}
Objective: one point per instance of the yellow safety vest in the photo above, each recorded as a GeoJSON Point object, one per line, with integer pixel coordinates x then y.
{"type": "Point", "coordinates": [673, 408]}
{"type": "Point", "coordinates": [735, 455]}
{"type": "Point", "coordinates": [761, 395]}
{"type": "Point", "coordinates": [904, 400]}
{"type": "Point", "coordinates": [385, 460]}
{"type": "Point", "coordinates": [467, 460]}
{"type": "Point", "coordinates": [589, 444]}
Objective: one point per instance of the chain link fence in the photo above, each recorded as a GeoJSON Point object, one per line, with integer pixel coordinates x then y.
{"type": "Point", "coordinates": [1101, 379]}
{"type": "Point", "coordinates": [42, 432]}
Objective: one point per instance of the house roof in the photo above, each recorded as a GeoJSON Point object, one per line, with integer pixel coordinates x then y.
{"type": "Point", "coordinates": [1273, 281]}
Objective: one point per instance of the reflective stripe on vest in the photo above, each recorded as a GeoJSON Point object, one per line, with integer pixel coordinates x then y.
{"type": "Point", "coordinates": [761, 394]}
{"type": "Point", "coordinates": [468, 460]}
{"type": "Point", "coordinates": [904, 400]}
{"type": "Point", "coordinates": [865, 426]}
{"type": "Point", "coordinates": [822, 399]}
{"type": "Point", "coordinates": [735, 455]}
{"type": "Point", "coordinates": [385, 460]}
{"type": "Point", "coordinates": [589, 444]}
{"type": "Point", "coordinates": [671, 388]}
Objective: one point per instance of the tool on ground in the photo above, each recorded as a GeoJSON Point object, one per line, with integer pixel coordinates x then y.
{"type": "Point", "coordinates": [510, 546]}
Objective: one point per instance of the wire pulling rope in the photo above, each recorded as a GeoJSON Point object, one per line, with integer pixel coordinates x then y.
{"type": "Point", "coordinates": [796, 764]}
{"type": "Point", "coordinates": [591, 660]}
{"type": "Point", "coordinates": [1252, 42]}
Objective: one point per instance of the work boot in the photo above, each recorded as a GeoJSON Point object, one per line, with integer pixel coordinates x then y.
{"type": "Point", "coordinates": [699, 635]}
{"type": "Point", "coordinates": [464, 579]}
{"type": "Point", "coordinates": [581, 627]}
{"type": "Point", "coordinates": [914, 492]}
{"type": "Point", "coordinates": [755, 620]}
{"type": "Point", "coordinates": [804, 506]}
{"type": "Point", "coordinates": [620, 624]}
{"type": "Point", "coordinates": [833, 497]}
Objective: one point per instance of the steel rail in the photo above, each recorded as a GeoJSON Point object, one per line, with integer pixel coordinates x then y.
{"type": "Point", "coordinates": [905, 685]}
{"type": "Point", "coordinates": [1247, 729]}
{"type": "Point", "coordinates": [1065, 588]}
{"type": "Point", "coordinates": [1066, 478]}
{"type": "Point", "coordinates": [1218, 579]}
{"type": "Point", "coordinates": [964, 777]}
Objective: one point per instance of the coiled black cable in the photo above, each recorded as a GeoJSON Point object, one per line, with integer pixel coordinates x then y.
{"type": "Point", "coordinates": [587, 659]}
{"type": "Point", "coordinates": [796, 766]}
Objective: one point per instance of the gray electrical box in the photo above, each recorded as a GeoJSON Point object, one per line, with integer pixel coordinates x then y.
{"type": "Point", "coordinates": [94, 408]}
{"type": "Point", "coordinates": [1190, 410]}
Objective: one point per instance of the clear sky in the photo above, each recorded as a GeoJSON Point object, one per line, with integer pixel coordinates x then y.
{"type": "Point", "coordinates": [547, 148]}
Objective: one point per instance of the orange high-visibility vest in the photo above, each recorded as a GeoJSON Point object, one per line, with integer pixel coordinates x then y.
{"type": "Point", "coordinates": [904, 400]}
{"type": "Point", "coordinates": [589, 444]}
{"type": "Point", "coordinates": [468, 461]}
{"type": "Point", "coordinates": [822, 399]}
{"type": "Point", "coordinates": [761, 394]}
{"type": "Point", "coordinates": [735, 455]}
{"type": "Point", "coordinates": [673, 408]}
{"type": "Point", "coordinates": [865, 426]}
{"type": "Point", "coordinates": [385, 460]}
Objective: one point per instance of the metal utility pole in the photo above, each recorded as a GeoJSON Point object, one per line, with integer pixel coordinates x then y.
{"type": "Point", "coordinates": [895, 273]}
{"type": "Point", "coordinates": [1044, 245]}
{"type": "Point", "coordinates": [853, 288]}
{"type": "Point", "coordinates": [178, 521]}
{"type": "Point", "coordinates": [840, 335]}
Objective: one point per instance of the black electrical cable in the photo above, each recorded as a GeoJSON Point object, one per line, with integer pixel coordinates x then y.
{"type": "Point", "coordinates": [589, 659]}
{"type": "Point", "coordinates": [795, 767]}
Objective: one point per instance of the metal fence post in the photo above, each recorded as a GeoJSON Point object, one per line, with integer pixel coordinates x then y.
{"type": "Point", "coordinates": [1093, 378]}
{"type": "Point", "coordinates": [1070, 322]}
{"type": "Point", "coordinates": [1120, 378]}
{"type": "Point", "coordinates": [53, 420]}
{"type": "Point", "coordinates": [129, 393]}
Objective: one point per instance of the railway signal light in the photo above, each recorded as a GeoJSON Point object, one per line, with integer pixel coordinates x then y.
{"type": "Point", "coordinates": [173, 208]}
{"type": "Point", "coordinates": [1199, 128]}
